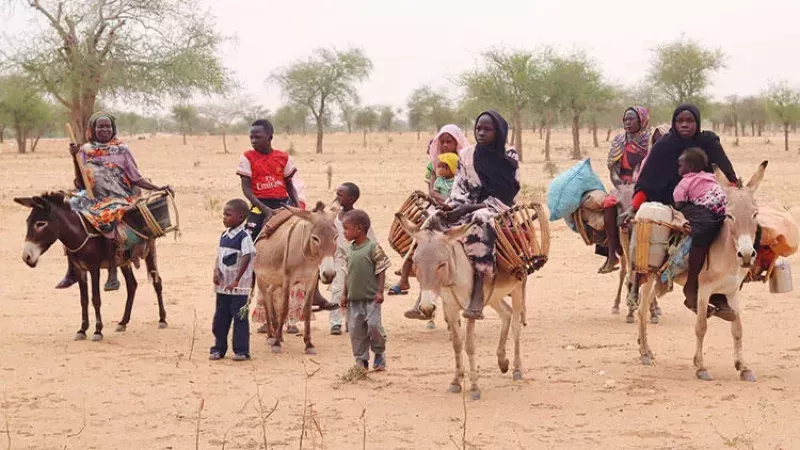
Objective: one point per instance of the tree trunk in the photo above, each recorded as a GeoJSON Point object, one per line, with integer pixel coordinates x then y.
{"type": "Point", "coordinates": [518, 132]}
{"type": "Point", "coordinates": [594, 135]}
{"type": "Point", "coordinates": [608, 134]}
{"type": "Point", "coordinates": [736, 127]}
{"type": "Point", "coordinates": [349, 128]}
{"type": "Point", "coordinates": [22, 140]}
{"type": "Point", "coordinates": [541, 131]}
{"type": "Point", "coordinates": [760, 128]}
{"type": "Point", "coordinates": [319, 134]}
{"type": "Point", "coordinates": [365, 138]}
{"type": "Point", "coordinates": [2, 133]}
{"type": "Point", "coordinates": [418, 138]}
{"type": "Point", "coordinates": [224, 141]}
{"type": "Point", "coordinates": [752, 128]}
{"type": "Point", "coordinates": [786, 135]}
{"type": "Point", "coordinates": [35, 142]}
{"type": "Point", "coordinates": [184, 137]}
{"type": "Point", "coordinates": [576, 136]}
{"type": "Point", "coordinates": [548, 127]}
{"type": "Point", "coordinates": [744, 129]}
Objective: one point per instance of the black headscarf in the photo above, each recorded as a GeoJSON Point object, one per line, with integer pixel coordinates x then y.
{"type": "Point", "coordinates": [496, 170]}
{"type": "Point", "coordinates": [659, 176]}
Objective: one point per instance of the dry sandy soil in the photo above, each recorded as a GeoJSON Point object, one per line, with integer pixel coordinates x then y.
{"type": "Point", "coordinates": [583, 383]}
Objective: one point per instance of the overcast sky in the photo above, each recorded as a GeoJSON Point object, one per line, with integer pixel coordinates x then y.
{"type": "Point", "coordinates": [414, 42]}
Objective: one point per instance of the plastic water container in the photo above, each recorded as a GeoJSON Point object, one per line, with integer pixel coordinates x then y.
{"type": "Point", "coordinates": [659, 234]}
{"type": "Point", "coordinates": [780, 282]}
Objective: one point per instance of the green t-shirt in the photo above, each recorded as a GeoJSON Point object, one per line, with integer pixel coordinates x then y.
{"type": "Point", "coordinates": [364, 263]}
{"type": "Point", "coordinates": [443, 186]}
{"type": "Point", "coordinates": [430, 172]}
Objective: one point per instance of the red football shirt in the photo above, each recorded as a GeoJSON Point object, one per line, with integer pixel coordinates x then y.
{"type": "Point", "coordinates": [268, 173]}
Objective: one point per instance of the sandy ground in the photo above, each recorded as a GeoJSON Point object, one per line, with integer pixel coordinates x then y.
{"type": "Point", "coordinates": [583, 383]}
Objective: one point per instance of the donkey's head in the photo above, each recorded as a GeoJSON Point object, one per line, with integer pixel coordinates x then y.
{"type": "Point", "coordinates": [322, 239]}
{"type": "Point", "coordinates": [433, 260]}
{"type": "Point", "coordinates": [741, 213]}
{"type": "Point", "coordinates": [44, 225]}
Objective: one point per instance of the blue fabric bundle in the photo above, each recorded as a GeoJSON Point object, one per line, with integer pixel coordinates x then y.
{"type": "Point", "coordinates": [566, 190]}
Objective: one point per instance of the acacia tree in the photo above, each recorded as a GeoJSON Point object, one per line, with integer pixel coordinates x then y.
{"type": "Point", "coordinates": [754, 112]}
{"type": "Point", "coordinates": [24, 109]}
{"type": "Point", "coordinates": [509, 81]}
{"type": "Point", "coordinates": [222, 113]}
{"type": "Point", "coordinates": [135, 49]}
{"type": "Point", "coordinates": [366, 120]}
{"type": "Point", "coordinates": [428, 109]}
{"type": "Point", "coordinates": [681, 70]}
{"type": "Point", "coordinates": [327, 78]}
{"type": "Point", "coordinates": [291, 119]}
{"type": "Point", "coordinates": [348, 113]}
{"type": "Point", "coordinates": [186, 116]}
{"type": "Point", "coordinates": [387, 115]}
{"type": "Point", "coordinates": [577, 85]}
{"type": "Point", "coordinates": [784, 102]}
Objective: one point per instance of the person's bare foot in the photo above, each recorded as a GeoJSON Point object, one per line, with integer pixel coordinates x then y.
{"type": "Point", "coordinates": [611, 265]}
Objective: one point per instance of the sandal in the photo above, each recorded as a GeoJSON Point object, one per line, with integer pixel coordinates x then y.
{"type": "Point", "coordinates": [396, 290]}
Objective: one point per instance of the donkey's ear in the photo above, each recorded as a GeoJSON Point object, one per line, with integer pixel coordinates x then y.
{"type": "Point", "coordinates": [406, 224]}
{"type": "Point", "coordinates": [755, 180]}
{"type": "Point", "coordinates": [31, 202]}
{"type": "Point", "coordinates": [721, 178]}
{"type": "Point", "coordinates": [308, 216]}
{"type": "Point", "coordinates": [454, 234]}
{"type": "Point", "coordinates": [24, 201]}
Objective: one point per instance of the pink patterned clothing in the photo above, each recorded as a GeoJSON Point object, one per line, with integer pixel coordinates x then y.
{"type": "Point", "coordinates": [702, 189]}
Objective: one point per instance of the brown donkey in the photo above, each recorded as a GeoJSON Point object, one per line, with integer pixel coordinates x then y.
{"type": "Point", "coordinates": [290, 261]}
{"type": "Point", "coordinates": [444, 270]}
{"type": "Point", "coordinates": [51, 220]}
{"type": "Point", "coordinates": [729, 259]}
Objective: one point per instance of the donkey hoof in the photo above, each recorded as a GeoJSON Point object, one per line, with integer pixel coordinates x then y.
{"type": "Point", "coordinates": [162, 324]}
{"type": "Point", "coordinates": [747, 375]}
{"type": "Point", "coordinates": [654, 320]}
{"type": "Point", "coordinates": [704, 375]}
{"type": "Point", "coordinates": [277, 349]}
{"type": "Point", "coordinates": [615, 310]}
{"type": "Point", "coordinates": [271, 341]}
{"type": "Point", "coordinates": [454, 389]}
{"type": "Point", "coordinates": [657, 312]}
{"type": "Point", "coordinates": [431, 325]}
{"type": "Point", "coordinates": [630, 319]}
{"type": "Point", "coordinates": [475, 394]}
{"type": "Point", "coordinates": [311, 351]}
{"type": "Point", "coordinates": [517, 375]}
{"type": "Point", "coordinates": [503, 365]}
{"type": "Point", "coordinates": [97, 337]}
{"type": "Point", "coordinates": [121, 328]}
{"type": "Point", "coordinates": [80, 336]}
{"type": "Point", "coordinates": [647, 360]}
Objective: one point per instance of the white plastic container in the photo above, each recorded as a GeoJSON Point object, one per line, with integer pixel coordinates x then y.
{"type": "Point", "coordinates": [659, 234]}
{"type": "Point", "coordinates": [780, 282]}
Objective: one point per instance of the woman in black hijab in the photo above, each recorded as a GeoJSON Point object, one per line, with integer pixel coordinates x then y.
{"type": "Point", "coordinates": [485, 185]}
{"type": "Point", "coordinates": [658, 179]}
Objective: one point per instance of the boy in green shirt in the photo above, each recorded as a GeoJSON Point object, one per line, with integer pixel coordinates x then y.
{"type": "Point", "coordinates": [363, 290]}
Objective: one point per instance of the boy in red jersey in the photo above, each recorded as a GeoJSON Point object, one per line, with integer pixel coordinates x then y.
{"type": "Point", "coordinates": [266, 177]}
{"type": "Point", "coordinates": [267, 182]}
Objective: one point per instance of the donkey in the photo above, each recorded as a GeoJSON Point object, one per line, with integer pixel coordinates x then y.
{"type": "Point", "coordinates": [51, 220]}
{"type": "Point", "coordinates": [729, 259]}
{"type": "Point", "coordinates": [444, 271]}
{"type": "Point", "coordinates": [290, 262]}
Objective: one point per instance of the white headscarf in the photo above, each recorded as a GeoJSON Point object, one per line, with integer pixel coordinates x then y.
{"type": "Point", "coordinates": [456, 133]}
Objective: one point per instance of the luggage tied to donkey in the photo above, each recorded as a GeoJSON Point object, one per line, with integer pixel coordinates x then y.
{"type": "Point", "coordinates": [567, 190]}
{"type": "Point", "coordinates": [520, 250]}
{"type": "Point", "coordinates": [150, 217]}
{"type": "Point", "coordinates": [659, 245]}
{"type": "Point", "coordinates": [416, 209]}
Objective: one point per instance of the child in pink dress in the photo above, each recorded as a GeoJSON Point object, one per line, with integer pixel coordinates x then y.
{"type": "Point", "coordinates": [699, 188]}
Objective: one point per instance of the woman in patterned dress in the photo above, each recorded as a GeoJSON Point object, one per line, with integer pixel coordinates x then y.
{"type": "Point", "coordinates": [485, 186]}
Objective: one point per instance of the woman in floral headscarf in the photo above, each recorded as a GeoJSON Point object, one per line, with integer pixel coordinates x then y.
{"type": "Point", "coordinates": [627, 152]}
{"type": "Point", "coordinates": [114, 180]}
